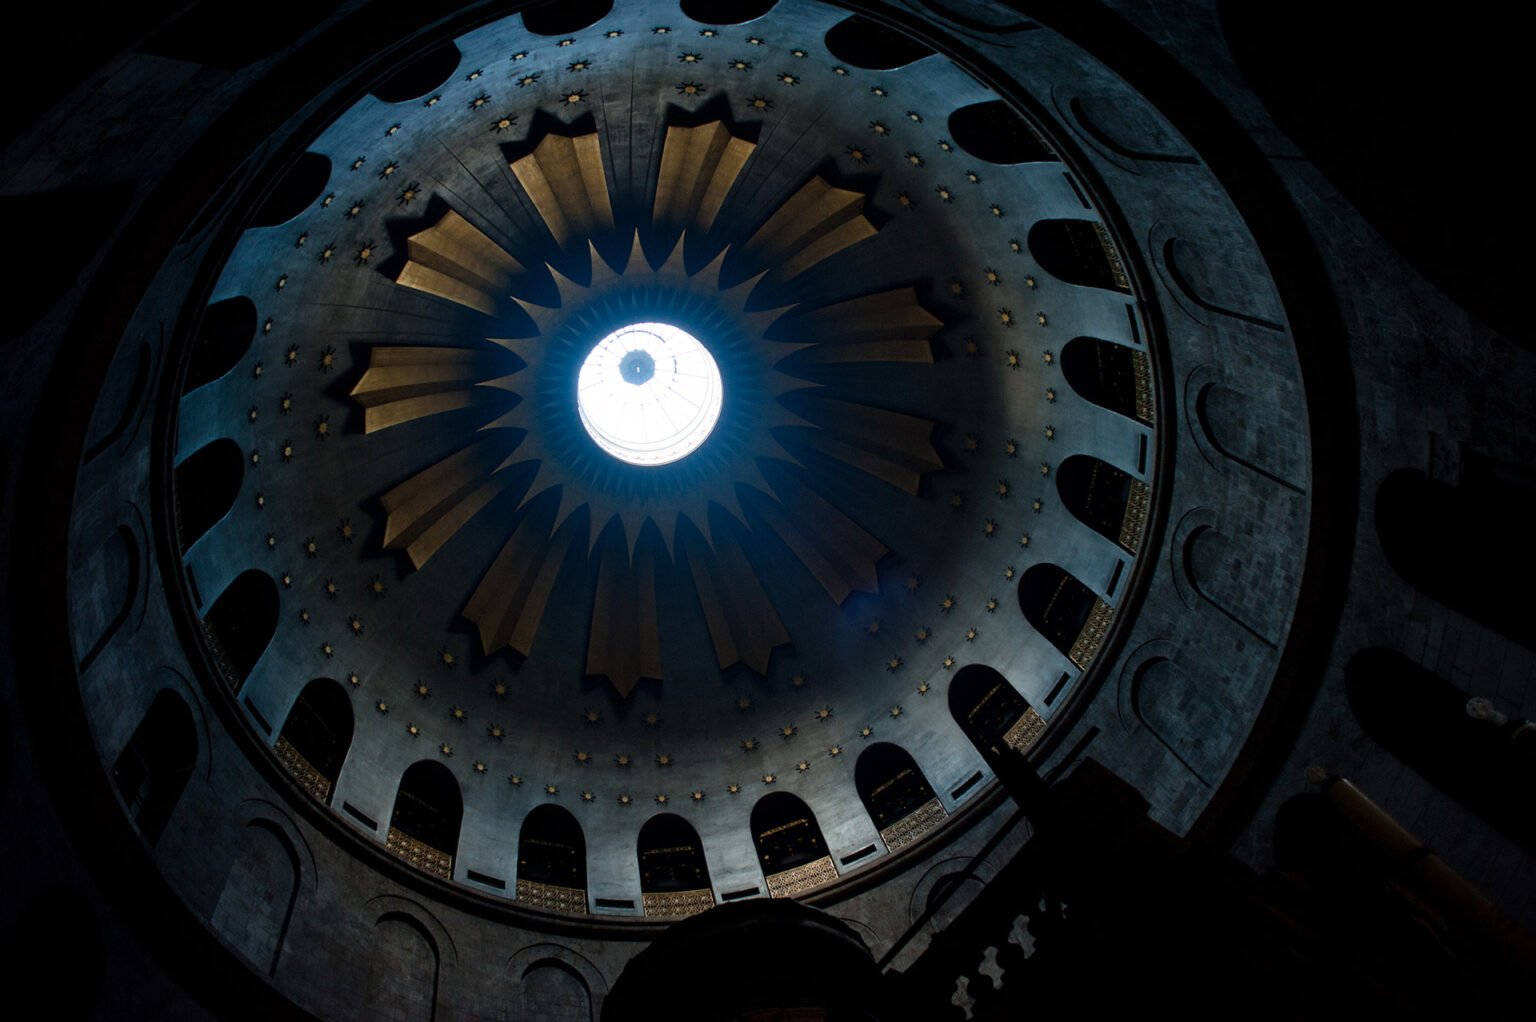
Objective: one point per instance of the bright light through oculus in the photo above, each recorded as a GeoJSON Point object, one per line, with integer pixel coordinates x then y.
{"type": "Point", "coordinates": [649, 394]}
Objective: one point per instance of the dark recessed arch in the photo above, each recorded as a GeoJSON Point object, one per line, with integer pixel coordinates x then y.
{"type": "Point", "coordinates": [1057, 605]}
{"type": "Point", "coordinates": [424, 827]}
{"type": "Point", "coordinates": [1078, 252]}
{"type": "Point", "coordinates": [152, 770]}
{"type": "Point", "coordinates": [552, 860]}
{"type": "Point", "coordinates": [991, 712]}
{"type": "Point", "coordinates": [1112, 376]}
{"type": "Point", "coordinates": [1100, 496]}
{"type": "Point", "coordinates": [872, 46]}
{"type": "Point", "coordinates": [297, 191]}
{"type": "Point", "coordinates": [204, 487]}
{"type": "Point", "coordinates": [241, 623]}
{"type": "Point", "coordinates": [787, 837]}
{"type": "Point", "coordinates": [996, 132]}
{"type": "Point", "coordinates": [422, 75]}
{"type": "Point", "coordinates": [726, 12]}
{"type": "Point", "coordinates": [315, 738]}
{"type": "Point", "coordinates": [566, 16]}
{"type": "Point", "coordinates": [223, 338]}
{"type": "Point", "coordinates": [894, 790]}
{"type": "Point", "coordinates": [674, 877]}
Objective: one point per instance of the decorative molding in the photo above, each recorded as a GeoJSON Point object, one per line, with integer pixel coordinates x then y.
{"type": "Point", "coordinates": [420, 854]}
{"type": "Point", "coordinates": [793, 882]}
{"type": "Point", "coordinates": [920, 821]}
{"type": "Point", "coordinates": [1024, 731]}
{"type": "Point", "coordinates": [1135, 515]}
{"type": "Point", "coordinates": [310, 779]}
{"type": "Point", "coordinates": [1092, 636]}
{"type": "Point", "coordinates": [552, 897]}
{"type": "Point", "coordinates": [677, 904]}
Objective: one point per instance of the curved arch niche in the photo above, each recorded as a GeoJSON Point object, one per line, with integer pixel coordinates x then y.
{"type": "Point", "coordinates": [552, 861]}
{"type": "Point", "coordinates": [241, 623]}
{"type": "Point", "coordinates": [1104, 498]}
{"type": "Point", "coordinates": [315, 738]}
{"type": "Point", "coordinates": [992, 713]}
{"type": "Point", "coordinates": [870, 45]}
{"type": "Point", "coordinates": [223, 338]}
{"type": "Point", "coordinates": [898, 797]}
{"type": "Point", "coordinates": [789, 844]}
{"type": "Point", "coordinates": [205, 487]}
{"type": "Point", "coordinates": [995, 132]}
{"type": "Point", "coordinates": [1065, 611]}
{"type": "Point", "coordinates": [1078, 252]}
{"type": "Point", "coordinates": [424, 827]}
{"type": "Point", "coordinates": [1112, 376]}
{"type": "Point", "coordinates": [674, 878]}
{"type": "Point", "coordinates": [152, 770]}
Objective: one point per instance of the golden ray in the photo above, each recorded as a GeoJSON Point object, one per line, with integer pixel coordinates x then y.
{"type": "Point", "coordinates": [426, 510]}
{"type": "Point", "coordinates": [743, 624]}
{"type": "Point", "coordinates": [698, 167]}
{"type": "Point", "coordinates": [625, 641]}
{"type": "Point", "coordinates": [565, 179]}
{"type": "Point", "coordinates": [815, 223]}
{"type": "Point", "coordinates": [406, 383]}
{"type": "Point", "coordinates": [887, 327]}
{"type": "Point", "coordinates": [453, 259]}
{"type": "Point", "coordinates": [509, 602]}
{"type": "Point", "coordinates": [831, 545]}
{"type": "Point", "coordinates": [888, 445]}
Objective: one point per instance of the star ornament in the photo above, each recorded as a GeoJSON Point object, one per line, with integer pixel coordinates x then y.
{"type": "Point", "coordinates": [512, 389]}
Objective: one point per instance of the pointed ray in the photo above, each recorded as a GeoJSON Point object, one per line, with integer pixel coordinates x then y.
{"type": "Point", "coordinates": [831, 545]}
{"type": "Point", "coordinates": [509, 602]}
{"type": "Point", "coordinates": [625, 643]}
{"type": "Point", "coordinates": [565, 179]}
{"type": "Point", "coordinates": [453, 259]}
{"type": "Point", "coordinates": [816, 222]}
{"type": "Point", "coordinates": [426, 510]}
{"type": "Point", "coordinates": [698, 167]}
{"type": "Point", "coordinates": [887, 327]}
{"type": "Point", "coordinates": [887, 445]}
{"type": "Point", "coordinates": [405, 383]}
{"type": "Point", "coordinates": [742, 621]}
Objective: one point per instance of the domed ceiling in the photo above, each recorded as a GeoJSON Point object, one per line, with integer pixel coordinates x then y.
{"type": "Point", "coordinates": [867, 242]}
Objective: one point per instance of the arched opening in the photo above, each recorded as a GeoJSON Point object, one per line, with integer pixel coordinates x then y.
{"type": "Point", "coordinates": [240, 624]}
{"type": "Point", "coordinates": [256, 904]}
{"type": "Point", "coordinates": [223, 338]}
{"type": "Point", "coordinates": [298, 189]}
{"type": "Point", "coordinates": [870, 45]}
{"type": "Point", "coordinates": [1423, 720]}
{"type": "Point", "coordinates": [789, 845]}
{"type": "Point", "coordinates": [403, 967]}
{"type": "Point", "coordinates": [674, 878]}
{"type": "Point", "coordinates": [1078, 252]}
{"type": "Point", "coordinates": [424, 73]}
{"type": "Point", "coordinates": [896, 794]}
{"type": "Point", "coordinates": [1112, 376]}
{"type": "Point", "coordinates": [106, 607]}
{"type": "Point", "coordinates": [152, 770]}
{"type": "Point", "coordinates": [992, 713]}
{"type": "Point", "coordinates": [996, 132]}
{"type": "Point", "coordinates": [1462, 544]}
{"type": "Point", "coordinates": [1065, 611]}
{"type": "Point", "coordinates": [552, 861]}
{"type": "Point", "coordinates": [726, 12]}
{"type": "Point", "coordinates": [314, 740]}
{"type": "Point", "coordinates": [555, 992]}
{"type": "Point", "coordinates": [424, 828]}
{"type": "Point", "coordinates": [566, 17]}
{"type": "Point", "coordinates": [204, 488]}
{"type": "Point", "coordinates": [1104, 498]}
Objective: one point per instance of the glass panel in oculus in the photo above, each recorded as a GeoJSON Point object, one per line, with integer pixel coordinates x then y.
{"type": "Point", "coordinates": [649, 394]}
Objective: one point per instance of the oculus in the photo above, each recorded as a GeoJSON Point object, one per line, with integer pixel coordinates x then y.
{"type": "Point", "coordinates": [649, 394]}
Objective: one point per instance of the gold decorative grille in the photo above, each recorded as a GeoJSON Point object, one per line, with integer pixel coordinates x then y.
{"type": "Point", "coordinates": [1024, 731]}
{"type": "Point", "coordinates": [420, 854]}
{"type": "Point", "coordinates": [1141, 367]}
{"type": "Point", "coordinates": [914, 825]}
{"type": "Point", "coordinates": [1135, 515]}
{"type": "Point", "coordinates": [1092, 636]}
{"type": "Point", "coordinates": [1116, 269]}
{"type": "Point", "coordinates": [310, 779]}
{"type": "Point", "coordinates": [676, 904]}
{"type": "Point", "coordinates": [554, 898]}
{"type": "Point", "coordinates": [797, 881]}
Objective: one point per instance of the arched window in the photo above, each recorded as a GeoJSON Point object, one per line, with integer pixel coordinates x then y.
{"type": "Point", "coordinates": [205, 487]}
{"type": "Point", "coordinates": [314, 741]}
{"type": "Point", "coordinates": [426, 71]}
{"type": "Point", "coordinates": [789, 844]}
{"type": "Point", "coordinates": [1064, 611]}
{"type": "Point", "coordinates": [566, 17]}
{"type": "Point", "coordinates": [869, 44]}
{"type": "Point", "coordinates": [223, 338]}
{"type": "Point", "coordinates": [297, 191]}
{"type": "Point", "coordinates": [152, 770]}
{"type": "Point", "coordinates": [240, 624]}
{"type": "Point", "coordinates": [1460, 544]}
{"type": "Point", "coordinates": [1112, 376]}
{"type": "Point", "coordinates": [996, 132]}
{"type": "Point", "coordinates": [991, 712]}
{"type": "Point", "coordinates": [674, 878]}
{"type": "Point", "coordinates": [726, 12]}
{"type": "Point", "coordinates": [1104, 498]}
{"type": "Point", "coordinates": [896, 794]}
{"type": "Point", "coordinates": [552, 861]}
{"type": "Point", "coordinates": [424, 828]}
{"type": "Point", "coordinates": [1078, 252]}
